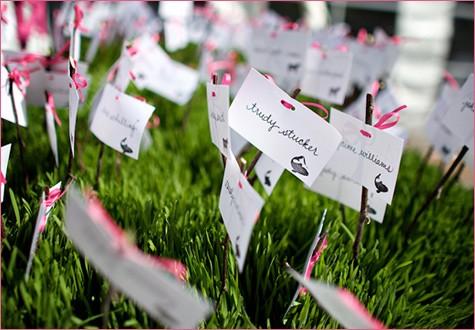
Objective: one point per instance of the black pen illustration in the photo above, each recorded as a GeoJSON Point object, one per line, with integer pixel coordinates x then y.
{"type": "Point", "coordinates": [299, 165]}
{"type": "Point", "coordinates": [371, 210]}
{"type": "Point", "coordinates": [267, 181]}
{"type": "Point", "coordinates": [225, 143]}
{"type": "Point", "coordinates": [380, 187]}
{"type": "Point", "coordinates": [293, 67]}
{"type": "Point", "coordinates": [333, 91]}
{"type": "Point", "coordinates": [467, 105]}
{"type": "Point", "coordinates": [141, 75]}
{"type": "Point", "coordinates": [125, 148]}
{"type": "Point", "coordinates": [445, 150]}
{"type": "Point", "coordinates": [238, 254]}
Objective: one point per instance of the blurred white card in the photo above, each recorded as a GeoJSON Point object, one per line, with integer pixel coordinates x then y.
{"type": "Point", "coordinates": [285, 130]}
{"type": "Point", "coordinates": [119, 121]}
{"type": "Point", "coordinates": [459, 119]}
{"type": "Point", "coordinates": [51, 129]}
{"type": "Point", "coordinates": [218, 106]}
{"type": "Point", "coordinates": [152, 288]}
{"type": "Point", "coordinates": [73, 113]}
{"type": "Point", "coordinates": [175, 9]}
{"type": "Point", "coordinates": [339, 303]}
{"type": "Point", "coordinates": [176, 35]}
{"type": "Point", "coordinates": [7, 110]}
{"type": "Point", "coordinates": [154, 70]}
{"type": "Point", "coordinates": [240, 206]}
{"type": "Point", "coordinates": [4, 156]}
{"type": "Point", "coordinates": [368, 64]}
{"type": "Point", "coordinates": [347, 191]}
{"type": "Point", "coordinates": [327, 74]}
{"type": "Point", "coordinates": [371, 161]}
{"type": "Point", "coordinates": [268, 172]}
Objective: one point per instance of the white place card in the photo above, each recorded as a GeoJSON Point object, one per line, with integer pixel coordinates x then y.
{"type": "Point", "coordinates": [285, 130]}
{"type": "Point", "coordinates": [8, 112]}
{"type": "Point", "coordinates": [119, 121]}
{"type": "Point", "coordinates": [371, 161]}
{"type": "Point", "coordinates": [151, 287]}
{"type": "Point", "coordinates": [240, 206]}
{"type": "Point", "coordinates": [268, 172]}
{"type": "Point", "coordinates": [218, 106]}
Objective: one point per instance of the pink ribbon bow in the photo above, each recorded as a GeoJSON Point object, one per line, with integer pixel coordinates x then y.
{"type": "Point", "coordinates": [54, 195]}
{"type": "Point", "coordinates": [2, 178]}
{"type": "Point", "coordinates": [21, 78]}
{"type": "Point", "coordinates": [79, 82]}
{"type": "Point", "coordinates": [3, 13]}
{"type": "Point", "coordinates": [78, 16]}
{"type": "Point", "coordinates": [50, 105]}
{"type": "Point", "coordinates": [313, 261]}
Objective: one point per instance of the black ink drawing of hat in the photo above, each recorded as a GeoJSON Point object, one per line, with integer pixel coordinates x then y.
{"type": "Point", "coordinates": [298, 165]}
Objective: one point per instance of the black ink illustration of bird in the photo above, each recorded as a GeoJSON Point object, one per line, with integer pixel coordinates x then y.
{"type": "Point", "coordinates": [298, 165]}
{"type": "Point", "coordinates": [380, 187]}
{"type": "Point", "coordinates": [238, 253]}
{"type": "Point", "coordinates": [445, 150]}
{"type": "Point", "coordinates": [293, 67]}
{"type": "Point", "coordinates": [333, 91]}
{"type": "Point", "coordinates": [125, 148]}
{"type": "Point", "coordinates": [225, 143]}
{"type": "Point", "coordinates": [371, 210]}
{"type": "Point", "coordinates": [267, 179]}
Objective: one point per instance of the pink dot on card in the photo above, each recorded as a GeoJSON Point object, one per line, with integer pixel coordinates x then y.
{"type": "Point", "coordinates": [287, 105]}
{"type": "Point", "coordinates": [365, 133]}
{"type": "Point", "coordinates": [240, 184]}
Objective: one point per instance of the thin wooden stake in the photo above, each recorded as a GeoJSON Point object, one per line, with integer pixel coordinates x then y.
{"type": "Point", "coordinates": [99, 167]}
{"type": "Point", "coordinates": [364, 191]}
{"type": "Point", "coordinates": [454, 179]}
{"type": "Point", "coordinates": [436, 190]}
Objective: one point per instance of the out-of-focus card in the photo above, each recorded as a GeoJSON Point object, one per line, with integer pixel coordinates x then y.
{"type": "Point", "coordinates": [372, 161]}
{"type": "Point", "coordinates": [240, 206]}
{"type": "Point", "coordinates": [285, 130]}
{"type": "Point", "coordinates": [119, 121]}
{"type": "Point", "coordinates": [327, 74]}
{"type": "Point", "coordinates": [176, 35]}
{"type": "Point", "coordinates": [268, 172]}
{"type": "Point", "coordinates": [218, 106]}
{"type": "Point", "coordinates": [151, 287]}
{"type": "Point", "coordinates": [51, 129]}
{"type": "Point", "coordinates": [73, 112]}
{"type": "Point", "coordinates": [154, 70]}
{"type": "Point", "coordinates": [238, 143]}
{"type": "Point", "coordinates": [341, 304]}
{"type": "Point", "coordinates": [8, 112]}
{"type": "Point", "coordinates": [459, 119]}
{"type": "Point", "coordinates": [347, 191]}
{"type": "Point", "coordinates": [5, 156]}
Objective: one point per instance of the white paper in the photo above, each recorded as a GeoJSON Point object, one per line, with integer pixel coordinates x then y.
{"type": "Point", "coordinates": [330, 298]}
{"type": "Point", "coordinates": [459, 119]}
{"type": "Point", "coordinates": [176, 35]}
{"type": "Point", "coordinates": [240, 206]}
{"type": "Point", "coordinates": [155, 71]}
{"type": "Point", "coordinates": [347, 191]}
{"type": "Point", "coordinates": [51, 129]}
{"type": "Point", "coordinates": [218, 105]}
{"type": "Point", "coordinates": [368, 64]}
{"type": "Point", "coordinates": [7, 110]}
{"type": "Point", "coordinates": [371, 161]}
{"type": "Point", "coordinates": [238, 143]}
{"type": "Point", "coordinates": [299, 140]}
{"type": "Point", "coordinates": [327, 76]}
{"type": "Point", "coordinates": [73, 113]}
{"type": "Point", "coordinates": [43, 212]}
{"type": "Point", "coordinates": [175, 9]}
{"type": "Point", "coordinates": [153, 289]}
{"type": "Point", "coordinates": [268, 172]}
{"type": "Point", "coordinates": [119, 121]}
{"type": "Point", "coordinates": [5, 156]}
{"type": "Point", "coordinates": [440, 136]}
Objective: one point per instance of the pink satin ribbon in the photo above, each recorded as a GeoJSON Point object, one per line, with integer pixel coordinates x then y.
{"type": "Point", "coordinates": [79, 82]}
{"type": "Point", "coordinates": [50, 106]}
{"type": "Point", "coordinates": [287, 105]}
{"type": "Point", "coordinates": [228, 64]}
{"type": "Point", "coordinates": [374, 91]}
{"type": "Point", "coordinates": [28, 58]}
{"type": "Point", "coordinates": [2, 179]}
{"type": "Point", "coordinates": [354, 304]}
{"type": "Point", "coordinates": [21, 78]}
{"type": "Point", "coordinates": [313, 261]}
{"type": "Point", "coordinates": [451, 80]}
{"type": "Point", "coordinates": [37, 20]}
{"type": "Point", "coordinates": [362, 36]}
{"type": "Point", "coordinates": [318, 106]}
{"type": "Point", "coordinates": [54, 195]}
{"type": "Point", "coordinates": [384, 123]}
{"type": "Point", "coordinates": [4, 9]}
{"type": "Point", "coordinates": [78, 17]}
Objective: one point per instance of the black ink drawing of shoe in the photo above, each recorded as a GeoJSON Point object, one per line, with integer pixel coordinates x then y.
{"type": "Point", "coordinates": [267, 179]}
{"type": "Point", "coordinates": [298, 165]}
{"type": "Point", "coordinates": [125, 148]}
{"type": "Point", "coordinates": [380, 187]}
{"type": "Point", "coordinates": [333, 91]}
{"type": "Point", "coordinates": [238, 254]}
{"type": "Point", "coordinates": [293, 67]}
{"type": "Point", "coordinates": [371, 210]}
{"type": "Point", "coordinates": [225, 143]}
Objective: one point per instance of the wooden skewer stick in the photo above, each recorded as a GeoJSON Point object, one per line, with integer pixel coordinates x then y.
{"type": "Point", "coordinates": [454, 179]}
{"type": "Point", "coordinates": [364, 191]}
{"type": "Point", "coordinates": [437, 188]}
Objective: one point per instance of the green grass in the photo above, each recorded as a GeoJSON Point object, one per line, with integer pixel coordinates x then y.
{"type": "Point", "coordinates": [169, 201]}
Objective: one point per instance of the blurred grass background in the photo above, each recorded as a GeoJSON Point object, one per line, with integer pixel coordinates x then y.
{"type": "Point", "coordinates": [168, 200]}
